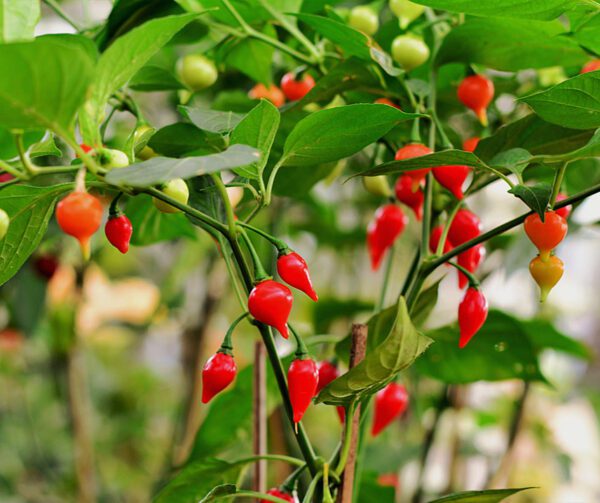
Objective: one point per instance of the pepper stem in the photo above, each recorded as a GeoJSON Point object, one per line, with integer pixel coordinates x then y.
{"type": "Point", "coordinates": [282, 247]}
{"type": "Point", "coordinates": [301, 349]}
{"type": "Point", "coordinates": [473, 281]}
{"type": "Point", "coordinates": [227, 344]}
{"type": "Point", "coordinates": [259, 271]}
{"type": "Point", "coordinates": [114, 211]}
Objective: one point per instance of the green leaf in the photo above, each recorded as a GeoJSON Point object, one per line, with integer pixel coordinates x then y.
{"type": "Point", "coordinates": [501, 350]}
{"type": "Point", "coordinates": [398, 351]}
{"type": "Point", "coordinates": [46, 147]}
{"type": "Point", "coordinates": [8, 147]}
{"type": "Point", "coordinates": [151, 226]}
{"type": "Point", "coordinates": [588, 34]}
{"type": "Point", "coordinates": [183, 140]}
{"type": "Point", "coordinates": [351, 41]}
{"type": "Point", "coordinates": [487, 496]}
{"type": "Point", "coordinates": [162, 169]}
{"type": "Point", "coordinates": [258, 130]}
{"type": "Point", "coordinates": [424, 304]}
{"type": "Point", "coordinates": [336, 133]}
{"type": "Point", "coordinates": [536, 197]}
{"type": "Point", "coordinates": [29, 209]}
{"type": "Point", "coordinates": [510, 44]}
{"type": "Point", "coordinates": [218, 492]}
{"type": "Point", "coordinates": [545, 10]}
{"type": "Point", "coordinates": [154, 78]}
{"type": "Point", "coordinates": [250, 56]}
{"type": "Point", "coordinates": [122, 60]}
{"type": "Point", "coordinates": [443, 158]}
{"type": "Point", "coordinates": [44, 82]}
{"type": "Point", "coordinates": [544, 335]}
{"type": "Point", "coordinates": [18, 19]}
{"type": "Point", "coordinates": [514, 159]}
{"type": "Point", "coordinates": [590, 149]}
{"type": "Point", "coordinates": [212, 120]}
{"type": "Point", "coordinates": [574, 103]}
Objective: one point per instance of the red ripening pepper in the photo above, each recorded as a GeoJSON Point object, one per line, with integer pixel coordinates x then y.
{"type": "Point", "coordinates": [295, 89]}
{"type": "Point", "coordinates": [470, 259]}
{"type": "Point", "coordinates": [546, 274]}
{"type": "Point", "coordinates": [565, 211]}
{"type": "Point", "coordinates": [470, 144]}
{"type": "Point", "coordinates": [280, 494]}
{"type": "Point", "coordinates": [546, 235]}
{"type": "Point", "coordinates": [476, 92]}
{"type": "Point", "coordinates": [434, 240]}
{"type": "Point", "coordinates": [80, 215]}
{"type": "Point", "coordinates": [386, 101]}
{"type": "Point", "coordinates": [472, 313]}
{"type": "Point", "coordinates": [406, 194]}
{"type": "Point", "coordinates": [303, 378]}
{"type": "Point", "coordinates": [452, 178]}
{"type": "Point", "coordinates": [327, 373]}
{"type": "Point", "coordinates": [390, 403]}
{"type": "Point", "coordinates": [271, 303]}
{"type": "Point", "coordinates": [465, 226]}
{"type": "Point", "coordinates": [388, 223]}
{"type": "Point", "coordinates": [408, 152]}
{"type": "Point", "coordinates": [118, 230]}
{"type": "Point", "coordinates": [292, 269]}
{"type": "Point", "coordinates": [591, 66]}
{"type": "Point", "coordinates": [218, 373]}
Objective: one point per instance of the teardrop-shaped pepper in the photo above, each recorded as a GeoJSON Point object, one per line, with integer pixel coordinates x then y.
{"type": "Point", "coordinates": [118, 230]}
{"type": "Point", "coordinates": [546, 235]}
{"type": "Point", "coordinates": [408, 152]}
{"type": "Point", "coordinates": [292, 269]}
{"type": "Point", "coordinates": [327, 373]}
{"type": "Point", "coordinates": [388, 223]}
{"type": "Point", "coordinates": [452, 178]}
{"type": "Point", "coordinates": [465, 226]}
{"type": "Point", "coordinates": [470, 259]}
{"type": "Point", "coordinates": [270, 303]}
{"type": "Point", "coordinates": [80, 215]}
{"type": "Point", "coordinates": [476, 92]}
{"type": "Point", "coordinates": [472, 313]}
{"type": "Point", "coordinates": [303, 378]}
{"type": "Point", "coordinates": [218, 373]}
{"type": "Point", "coordinates": [406, 194]}
{"type": "Point", "coordinates": [546, 274]}
{"type": "Point", "coordinates": [390, 403]}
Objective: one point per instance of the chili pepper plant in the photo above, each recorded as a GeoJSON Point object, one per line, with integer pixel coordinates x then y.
{"type": "Point", "coordinates": [296, 145]}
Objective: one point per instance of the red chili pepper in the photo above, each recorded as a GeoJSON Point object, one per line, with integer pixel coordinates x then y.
{"type": "Point", "coordinates": [386, 101]}
{"type": "Point", "coordinates": [294, 88]}
{"type": "Point", "coordinates": [408, 152]}
{"type": "Point", "coordinates": [470, 259]}
{"type": "Point", "coordinates": [390, 403]}
{"type": "Point", "coordinates": [5, 177]}
{"type": "Point", "coordinates": [591, 66]}
{"type": "Point", "coordinates": [86, 148]}
{"type": "Point", "coordinates": [218, 373]}
{"type": "Point", "coordinates": [292, 269]}
{"type": "Point", "coordinates": [303, 377]}
{"type": "Point", "coordinates": [565, 211]}
{"type": "Point", "coordinates": [452, 178]}
{"type": "Point", "coordinates": [271, 303]}
{"type": "Point", "coordinates": [341, 412]}
{"type": "Point", "coordinates": [118, 230]}
{"type": "Point", "coordinates": [46, 265]}
{"type": "Point", "coordinates": [79, 215]}
{"type": "Point", "coordinates": [476, 92]}
{"type": "Point", "coordinates": [327, 373]}
{"type": "Point", "coordinates": [406, 195]}
{"type": "Point", "coordinates": [465, 226]}
{"type": "Point", "coordinates": [434, 240]}
{"type": "Point", "coordinates": [472, 313]}
{"type": "Point", "coordinates": [546, 235]}
{"type": "Point", "coordinates": [280, 494]}
{"type": "Point", "coordinates": [388, 223]}
{"type": "Point", "coordinates": [470, 144]}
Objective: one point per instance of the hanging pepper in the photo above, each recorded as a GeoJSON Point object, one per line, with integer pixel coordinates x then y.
{"type": "Point", "coordinates": [388, 223]}
{"type": "Point", "coordinates": [465, 226]}
{"type": "Point", "coordinates": [565, 211]}
{"type": "Point", "coordinates": [406, 195]}
{"type": "Point", "coordinates": [303, 377]}
{"type": "Point", "coordinates": [292, 269]}
{"type": "Point", "coordinates": [470, 259]}
{"type": "Point", "coordinates": [470, 144]}
{"type": "Point", "coordinates": [434, 240]}
{"type": "Point", "coordinates": [118, 228]}
{"type": "Point", "coordinates": [546, 274]}
{"type": "Point", "coordinates": [327, 373]}
{"type": "Point", "coordinates": [271, 303]}
{"type": "Point", "coordinates": [452, 178]}
{"type": "Point", "coordinates": [476, 92]}
{"type": "Point", "coordinates": [280, 494]}
{"type": "Point", "coordinates": [390, 403]}
{"type": "Point", "coordinates": [546, 235]}
{"type": "Point", "coordinates": [408, 152]}
{"type": "Point", "coordinates": [472, 313]}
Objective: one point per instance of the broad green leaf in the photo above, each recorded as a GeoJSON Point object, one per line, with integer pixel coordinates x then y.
{"type": "Point", "coordinates": [544, 335]}
{"type": "Point", "coordinates": [8, 147]}
{"type": "Point", "coordinates": [500, 350]}
{"type": "Point", "coordinates": [514, 159]}
{"type": "Point", "coordinates": [45, 147]}
{"type": "Point", "coordinates": [205, 196]}
{"type": "Point", "coordinates": [219, 492]}
{"type": "Point", "coordinates": [214, 121]}
{"type": "Point", "coordinates": [588, 34]}
{"type": "Point", "coordinates": [351, 41]}
{"type": "Point", "coordinates": [258, 130]}
{"type": "Point", "coordinates": [183, 140]}
{"type": "Point", "coordinates": [574, 103]}
{"type": "Point", "coordinates": [398, 351]}
{"type": "Point", "coordinates": [487, 496]}
{"type": "Point", "coordinates": [536, 197]}
{"type": "Point", "coordinates": [44, 82]}
{"type": "Point", "coordinates": [299, 181]}
{"type": "Point", "coordinates": [29, 209]}
{"type": "Point", "coordinates": [122, 60]}
{"type": "Point", "coordinates": [424, 304]}
{"type": "Point", "coordinates": [249, 10]}
{"type": "Point", "coordinates": [18, 19]}
{"type": "Point", "coordinates": [534, 135]}
{"type": "Point", "coordinates": [250, 56]}
{"type": "Point", "coordinates": [152, 226]}
{"type": "Point", "coordinates": [336, 133]}
{"type": "Point", "coordinates": [162, 169]}
{"type": "Point", "coordinates": [510, 44]}
{"type": "Point", "coordinates": [154, 78]}
{"type": "Point", "coordinates": [544, 10]}
{"type": "Point", "coordinates": [591, 149]}
{"type": "Point", "coordinates": [443, 158]}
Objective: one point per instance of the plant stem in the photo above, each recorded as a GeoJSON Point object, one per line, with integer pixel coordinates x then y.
{"type": "Point", "coordinates": [259, 272]}
{"type": "Point", "coordinates": [386, 279]}
{"type": "Point", "coordinates": [473, 281]}
{"type": "Point", "coordinates": [271, 181]}
{"type": "Point", "coordinates": [17, 173]}
{"type": "Point", "coordinates": [278, 243]}
{"type": "Point", "coordinates": [271, 457]}
{"type": "Point", "coordinates": [23, 154]}
{"type": "Point", "coordinates": [444, 236]}
{"type": "Point", "coordinates": [226, 202]}
{"type": "Point", "coordinates": [558, 180]}
{"type": "Point", "coordinates": [347, 438]}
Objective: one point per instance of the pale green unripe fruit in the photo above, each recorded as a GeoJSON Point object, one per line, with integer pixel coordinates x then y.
{"type": "Point", "coordinates": [406, 11]}
{"type": "Point", "coordinates": [409, 51]}
{"type": "Point", "coordinates": [551, 76]}
{"type": "Point", "coordinates": [178, 190]}
{"type": "Point", "coordinates": [111, 158]}
{"type": "Point", "coordinates": [377, 185]}
{"type": "Point", "coordinates": [197, 72]}
{"type": "Point", "coordinates": [364, 19]}
{"type": "Point", "coordinates": [4, 223]}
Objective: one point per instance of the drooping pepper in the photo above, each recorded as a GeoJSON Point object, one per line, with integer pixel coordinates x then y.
{"type": "Point", "coordinates": [218, 373]}
{"type": "Point", "coordinates": [546, 274]}
{"type": "Point", "coordinates": [275, 491]}
{"type": "Point", "coordinates": [388, 223]}
{"type": "Point", "coordinates": [406, 194]}
{"type": "Point", "coordinates": [476, 92]}
{"type": "Point", "coordinates": [292, 269]}
{"type": "Point", "coordinates": [327, 372]}
{"type": "Point", "coordinates": [270, 303]}
{"type": "Point", "coordinates": [452, 178]}
{"type": "Point", "coordinates": [408, 152]}
{"type": "Point", "coordinates": [390, 403]}
{"type": "Point", "coordinates": [434, 240]}
{"type": "Point", "coordinates": [546, 235]}
{"type": "Point", "coordinates": [470, 259]}
{"type": "Point", "coordinates": [472, 313]}
{"type": "Point", "coordinates": [465, 226]}
{"type": "Point", "coordinates": [303, 378]}
{"type": "Point", "coordinates": [118, 228]}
